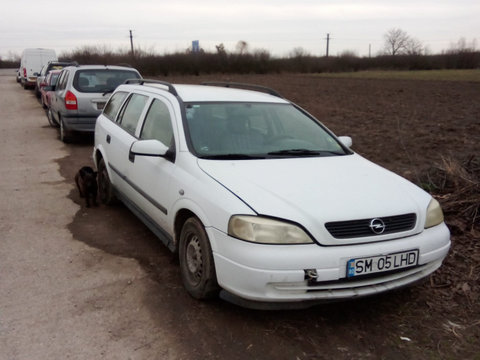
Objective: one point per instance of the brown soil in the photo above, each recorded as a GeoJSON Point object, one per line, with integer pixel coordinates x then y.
{"type": "Point", "coordinates": [406, 126]}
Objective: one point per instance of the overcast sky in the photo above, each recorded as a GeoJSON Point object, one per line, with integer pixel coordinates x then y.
{"type": "Point", "coordinates": [278, 26]}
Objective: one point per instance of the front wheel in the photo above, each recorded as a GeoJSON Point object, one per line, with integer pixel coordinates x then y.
{"type": "Point", "coordinates": [105, 188]}
{"type": "Point", "coordinates": [196, 261]}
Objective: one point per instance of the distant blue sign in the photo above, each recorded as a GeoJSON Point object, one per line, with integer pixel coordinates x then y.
{"type": "Point", "coordinates": [195, 46]}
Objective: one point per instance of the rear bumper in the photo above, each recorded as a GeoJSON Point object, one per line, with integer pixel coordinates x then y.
{"type": "Point", "coordinates": [80, 124]}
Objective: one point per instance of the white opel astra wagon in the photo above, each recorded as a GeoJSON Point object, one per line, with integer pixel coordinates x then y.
{"type": "Point", "coordinates": [260, 201]}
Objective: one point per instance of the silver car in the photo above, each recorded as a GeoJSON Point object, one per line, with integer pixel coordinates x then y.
{"type": "Point", "coordinates": [81, 93]}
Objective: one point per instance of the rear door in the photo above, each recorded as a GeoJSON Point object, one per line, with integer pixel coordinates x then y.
{"type": "Point", "coordinates": [117, 138]}
{"type": "Point", "coordinates": [58, 96]}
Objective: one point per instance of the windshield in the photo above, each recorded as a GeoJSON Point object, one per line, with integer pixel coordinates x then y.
{"type": "Point", "coordinates": [256, 130]}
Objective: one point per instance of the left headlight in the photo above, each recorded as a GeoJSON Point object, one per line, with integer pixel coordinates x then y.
{"type": "Point", "coordinates": [266, 231]}
{"type": "Point", "coordinates": [434, 214]}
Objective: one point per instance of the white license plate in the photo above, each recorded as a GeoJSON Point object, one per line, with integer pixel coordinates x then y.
{"type": "Point", "coordinates": [381, 263]}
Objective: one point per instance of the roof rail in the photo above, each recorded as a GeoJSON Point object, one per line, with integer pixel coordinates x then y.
{"type": "Point", "coordinates": [170, 87]}
{"type": "Point", "coordinates": [243, 86]}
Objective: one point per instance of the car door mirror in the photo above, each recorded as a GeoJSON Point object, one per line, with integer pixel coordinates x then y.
{"type": "Point", "coordinates": [346, 140]}
{"type": "Point", "coordinates": [148, 148]}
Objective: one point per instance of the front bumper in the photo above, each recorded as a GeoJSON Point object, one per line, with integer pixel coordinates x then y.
{"type": "Point", "coordinates": [277, 273]}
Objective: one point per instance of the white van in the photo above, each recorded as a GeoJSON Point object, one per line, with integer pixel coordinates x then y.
{"type": "Point", "coordinates": [31, 64]}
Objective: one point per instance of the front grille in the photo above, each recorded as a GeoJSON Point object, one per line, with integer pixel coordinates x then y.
{"type": "Point", "coordinates": [362, 228]}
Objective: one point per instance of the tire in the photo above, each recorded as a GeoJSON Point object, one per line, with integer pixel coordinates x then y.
{"type": "Point", "coordinates": [50, 118]}
{"type": "Point", "coordinates": [64, 133]}
{"type": "Point", "coordinates": [196, 261]}
{"type": "Point", "coordinates": [43, 103]}
{"type": "Point", "coordinates": [105, 188]}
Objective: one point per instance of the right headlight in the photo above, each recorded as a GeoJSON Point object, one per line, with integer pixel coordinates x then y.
{"type": "Point", "coordinates": [266, 231]}
{"type": "Point", "coordinates": [434, 214]}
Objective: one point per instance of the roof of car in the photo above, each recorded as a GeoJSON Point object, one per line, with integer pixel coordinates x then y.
{"type": "Point", "coordinates": [203, 93]}
{"type": "Point", "coordinates": [98, 67]}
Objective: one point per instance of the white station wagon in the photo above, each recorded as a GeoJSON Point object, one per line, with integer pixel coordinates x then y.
{"type": "Point", "coordinates": [263, 204]}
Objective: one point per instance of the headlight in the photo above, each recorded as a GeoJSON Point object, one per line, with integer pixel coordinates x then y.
{"type": "Point", "coordinates": [434, 214]}
{"type": "Point", "coordinates": [266, 231]}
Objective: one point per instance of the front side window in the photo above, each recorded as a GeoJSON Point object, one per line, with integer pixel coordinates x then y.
{"type": "Point", "coordinates": [158, 124]}
{"type": "Point", "coordinates": [131, 112]}
{"type": "Point", "coordinates": [264, 130]}
{"type": "Point", "coordinates": [113, 105]}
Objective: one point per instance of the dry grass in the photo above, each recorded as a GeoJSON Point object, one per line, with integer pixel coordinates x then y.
{"type": "Point", "coordinates": [429, 75]}
{"type": "Point", "coordinates": [457, 186]}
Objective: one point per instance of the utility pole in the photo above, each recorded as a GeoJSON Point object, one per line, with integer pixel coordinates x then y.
{"type": "Point", "coordinates": [369, 50]}
{"type": "Point", "coordinates": [131, 41]}
{"type": "Point", "coordinates": [328, 42]}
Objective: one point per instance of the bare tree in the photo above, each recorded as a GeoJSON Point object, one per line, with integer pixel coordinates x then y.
{"type": "Point", "coordinates": [242, 47]}
{"type": "Point", "coordinates": [413, 47]}
{"type": "Point", "coordinates": [396, 41]}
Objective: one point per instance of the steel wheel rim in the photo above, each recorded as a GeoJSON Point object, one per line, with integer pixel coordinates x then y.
{"type": "Point", "coordinates": [194, 259]}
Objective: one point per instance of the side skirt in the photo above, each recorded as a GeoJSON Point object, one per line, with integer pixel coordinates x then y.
{"type": "Point", "coordinates": [166, 238]}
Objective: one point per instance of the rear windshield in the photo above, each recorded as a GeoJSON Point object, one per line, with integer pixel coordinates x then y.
{"type": "Point", "coordinates": [101, 81]}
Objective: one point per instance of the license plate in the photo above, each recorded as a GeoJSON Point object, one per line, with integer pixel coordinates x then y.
{"type": "Point", "coordinates": [382, 263]}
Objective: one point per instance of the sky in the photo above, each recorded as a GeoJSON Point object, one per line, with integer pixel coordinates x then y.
{"type": "Point", "coordinates": [277, 26]}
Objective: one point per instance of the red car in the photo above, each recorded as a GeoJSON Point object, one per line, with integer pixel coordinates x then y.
{"type": "Point", "coordinates": [46, 93]}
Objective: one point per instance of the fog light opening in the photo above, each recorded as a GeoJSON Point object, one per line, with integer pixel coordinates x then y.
{"type": "Point", "coordinates": [310, 274]}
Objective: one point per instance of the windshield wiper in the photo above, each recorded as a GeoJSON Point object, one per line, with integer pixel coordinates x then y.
{"type": "Point", "coordinates": [303, 152]}
{"type": "Point", "coordinates": [232, 157]}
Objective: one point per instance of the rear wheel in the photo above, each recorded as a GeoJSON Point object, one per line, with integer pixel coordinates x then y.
{"type": "Point", "coordinates": [51, 120]}
{"type": "Point", "coordinates": [105, 188]}
{"type": "Point", "coordinates": [196, 261]}
{"type": "Point", "coordinates": [65, 135]}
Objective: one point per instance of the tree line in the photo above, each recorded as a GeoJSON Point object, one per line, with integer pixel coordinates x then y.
{"type": "Point", "coordinates": [401, 52]}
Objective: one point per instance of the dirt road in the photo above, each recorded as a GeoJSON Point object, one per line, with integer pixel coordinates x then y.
{"type": "Point", "coordinates": [94, 283]}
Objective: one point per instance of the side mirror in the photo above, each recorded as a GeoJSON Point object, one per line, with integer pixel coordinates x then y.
{"type": "Point", "coordinates": [346, 140]}
{"type": "Point", "coordinates": [147, 148]}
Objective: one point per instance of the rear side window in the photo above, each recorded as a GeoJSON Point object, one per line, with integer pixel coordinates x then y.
{"type": "Point", "coordinates": [130, 114]}
{"type": "Point", "coordinates": [101, 80]}
{"type": "Point", "coordinates": [62, 81]}
{"type": "Point", "coordinates": [113, 105]}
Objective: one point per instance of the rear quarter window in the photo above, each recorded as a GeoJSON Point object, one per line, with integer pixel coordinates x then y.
{"type": "Point", "coordinates": [114, 104]}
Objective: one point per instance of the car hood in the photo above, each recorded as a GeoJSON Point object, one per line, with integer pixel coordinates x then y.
{"type": "Point", "coordinates": [314, 191]}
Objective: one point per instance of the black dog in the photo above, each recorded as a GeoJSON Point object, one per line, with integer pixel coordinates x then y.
{"type": "Point", "coordinates": [86, 180]}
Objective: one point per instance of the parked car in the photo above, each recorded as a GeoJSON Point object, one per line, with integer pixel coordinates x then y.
{"type": "Point", "coordinates": [18, 76]}
{"type": "Point", "coordinates": [81, 93]}
{"type": "Point", "coordinates": [49, 82]}
{"type": "Point", "coordinates": [51, 65]}
{"type": "Point", "coordinates": [259, 199]}
{"type": "Point", "coordinates": [31, 64]}
{"type": "Point", "coordinates": [46, 93]}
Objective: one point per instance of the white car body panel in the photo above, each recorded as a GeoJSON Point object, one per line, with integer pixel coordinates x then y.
{"type": "Point", "coordinates": [313, 191]}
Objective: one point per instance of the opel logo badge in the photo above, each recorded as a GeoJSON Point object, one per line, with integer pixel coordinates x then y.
{"type": "Point", "coordinates": [377, 226]}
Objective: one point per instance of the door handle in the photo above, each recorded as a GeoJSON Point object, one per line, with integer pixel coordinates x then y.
{"type": "Point", "coordinates": [109, 139]}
